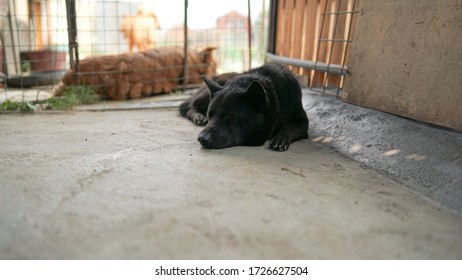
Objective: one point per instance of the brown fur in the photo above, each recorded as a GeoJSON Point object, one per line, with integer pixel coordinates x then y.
{"type": "Point", "coordinates": [135, 75]}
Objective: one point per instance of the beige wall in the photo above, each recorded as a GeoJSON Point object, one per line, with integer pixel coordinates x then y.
{"type": "Point", "coordinates": [406, 59]}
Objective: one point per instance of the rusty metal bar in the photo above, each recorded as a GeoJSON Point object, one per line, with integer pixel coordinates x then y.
{"type": "Point", "coordinates": [72, 34]}
{"type": "Point", "coordinates": [342, 13]}
{"type": "Point", "coordinates": [10, 23]}
{"type": "Point", "coordinates": [249, 31]}
{"type": "Point", "coordinates": [333, 40]}
{"type": "Point", "coordinates": [272, 27]}
{"type": "Point", "coordinates": [320, 34]}
{"type": "Point", "coordinates": [185, 45]}
{"type": "Point", "coordinates": [348, 38]}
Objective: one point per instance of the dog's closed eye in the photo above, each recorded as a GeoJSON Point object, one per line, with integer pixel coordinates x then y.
{"type": "Point", "coordinates": [230, 116]}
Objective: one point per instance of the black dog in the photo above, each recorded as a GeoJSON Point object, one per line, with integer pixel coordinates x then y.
{"type": "Point", "coordinates": [195, 107]}
{"type": "Point", "coordinates": [249, 109]}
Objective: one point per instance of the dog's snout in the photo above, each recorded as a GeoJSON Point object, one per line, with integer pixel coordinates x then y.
{"type": "Point", "coordinates": [204, 138]}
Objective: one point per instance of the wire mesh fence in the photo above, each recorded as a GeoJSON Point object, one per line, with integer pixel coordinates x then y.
{"type": "Point", "coordinates": [125, 49]}
{"type": "Point", "coordinates": [314, 37]}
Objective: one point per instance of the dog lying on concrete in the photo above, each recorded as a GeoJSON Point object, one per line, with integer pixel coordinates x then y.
{"type": "Point", "coordinates": [134, 75]}
{"type": "Point", "coordinates": [195, 107]}
{"type": "Point", "coordinates": [249, 109]}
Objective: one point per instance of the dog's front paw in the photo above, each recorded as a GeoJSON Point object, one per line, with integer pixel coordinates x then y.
{"type": "Point", "coordinates": [199, 119]}
{"type": "Point", "coordinates": [279, 143]}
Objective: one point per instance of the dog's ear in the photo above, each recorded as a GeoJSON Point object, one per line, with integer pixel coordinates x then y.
{"type": "Point", "coordinates": [212, 85]}
{"type": "Point", "coordinates": [206, 55]}
{"type": "Point", "coordinates": [256, 93]}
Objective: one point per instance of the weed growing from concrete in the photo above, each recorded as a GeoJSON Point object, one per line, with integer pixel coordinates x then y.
{"type": "Point", "coordinates": [17, 106]}
{"type": "Point", "coordinates": [73, 96]}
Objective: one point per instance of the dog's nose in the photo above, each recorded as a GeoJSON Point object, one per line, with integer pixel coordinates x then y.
{"type": "Point", "coordinates": [204, 138]}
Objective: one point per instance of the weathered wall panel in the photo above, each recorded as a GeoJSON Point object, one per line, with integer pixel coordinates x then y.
{"type": "Point", "coordinates": [407, 60]}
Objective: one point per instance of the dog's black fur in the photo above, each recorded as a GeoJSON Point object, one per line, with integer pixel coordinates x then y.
{"type": "Point", "coordinates": [195, 107]}
{"type": "Point", "coordinates": [249, 109]}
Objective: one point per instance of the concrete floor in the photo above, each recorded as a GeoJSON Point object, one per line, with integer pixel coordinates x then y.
{"type": "Point", "coordinates": [137, 185]}
{"type": "Point", "coordinates": [424, 158]}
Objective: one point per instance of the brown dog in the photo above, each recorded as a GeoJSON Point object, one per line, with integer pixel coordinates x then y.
{"type": "Point", "coordinates": [140, 30]}
{"type": "Point", "coordinates": [142, 74]}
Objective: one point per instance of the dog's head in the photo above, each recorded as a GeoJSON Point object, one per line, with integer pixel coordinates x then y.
{"type": "Point", "coordinates": [201, 62]}
{"type": "Point", "coordinates": [238, 115]}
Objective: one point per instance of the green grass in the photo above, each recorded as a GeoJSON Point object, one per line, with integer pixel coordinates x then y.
{"type": "Point", "coordinates": [17, 106]}
{"type": "Point", "coordinates": [73, 96]}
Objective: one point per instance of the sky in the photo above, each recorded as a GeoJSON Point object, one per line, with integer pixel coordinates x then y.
{"type": "Point", "coordinates": [201, 13]}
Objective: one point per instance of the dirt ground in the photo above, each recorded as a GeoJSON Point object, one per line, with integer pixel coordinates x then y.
{"type": "Point", "coordinates": [137, 185]}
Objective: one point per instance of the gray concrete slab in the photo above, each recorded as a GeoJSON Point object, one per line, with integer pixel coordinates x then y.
{"type": "Point", "coordinates": [424, 158]}
{"type": "Point", "coordinates": [37, 94]}
{"type": "Point", "coordinates": [137, 185]}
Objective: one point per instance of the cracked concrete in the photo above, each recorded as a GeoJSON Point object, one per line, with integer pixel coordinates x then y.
{"type": "Point", "coordinates": [137, 185]}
